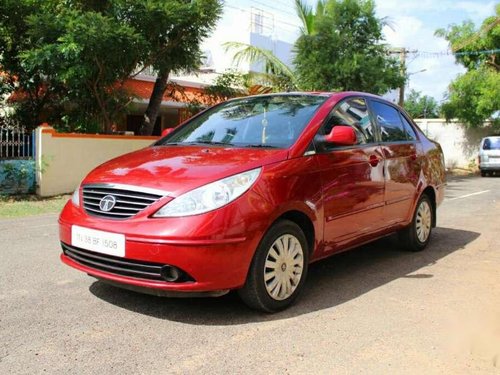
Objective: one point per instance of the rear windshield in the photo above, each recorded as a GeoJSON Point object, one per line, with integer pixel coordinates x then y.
{"type": "Point", "coordinates": [262, 121]}
{"type": "Point", "coordinates": [491, 144]}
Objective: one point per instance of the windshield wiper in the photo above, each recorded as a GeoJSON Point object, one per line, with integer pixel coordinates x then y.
{"type": "Point", "coordinates": [209, 143]}
{"type": "Point", "coordinates": [196, 143]}
{"type": "Point", "coordinates": [261, 146]}
{"type": "Point", "coordinates": [216, 143]}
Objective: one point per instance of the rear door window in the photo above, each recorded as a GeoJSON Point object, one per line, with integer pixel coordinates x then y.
{"type": "Point", "coordinates": [390, 123]}
{"type": "Point", "coordinates": [410, 132]}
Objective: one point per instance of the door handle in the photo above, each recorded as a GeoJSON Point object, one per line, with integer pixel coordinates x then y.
{"type": "Point", "coordinates": [374, 160]}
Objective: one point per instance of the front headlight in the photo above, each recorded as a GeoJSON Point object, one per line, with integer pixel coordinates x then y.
{"type": "Point", "coordinates": [75, 198]}
{"type": "Point", "coordinates": [209, 197]}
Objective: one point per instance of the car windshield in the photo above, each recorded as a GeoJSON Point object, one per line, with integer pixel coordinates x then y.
{"type": "Point", "coordinates": [262, 121]}
{"type": "Point", "coordinates": [491, 144]}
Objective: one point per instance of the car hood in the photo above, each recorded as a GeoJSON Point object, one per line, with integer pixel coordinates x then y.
{"type": "Point", "coordinates": [178, 169]}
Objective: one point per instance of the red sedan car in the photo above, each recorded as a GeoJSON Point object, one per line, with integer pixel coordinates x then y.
{"type": "Point", "coordinates": [248, 193]}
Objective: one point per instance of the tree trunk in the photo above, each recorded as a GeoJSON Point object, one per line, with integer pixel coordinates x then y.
{"type": "Point", "coordinates": [149, 119]}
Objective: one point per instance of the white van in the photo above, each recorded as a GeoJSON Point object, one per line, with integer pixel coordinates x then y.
{"type": "Point", "coordinates": [489, 155]}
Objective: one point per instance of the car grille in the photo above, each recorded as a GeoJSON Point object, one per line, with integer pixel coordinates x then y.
{"type": "Point", "coordinates": [115, 265]}
{"type": "Point", "coordinates": [128, 202]}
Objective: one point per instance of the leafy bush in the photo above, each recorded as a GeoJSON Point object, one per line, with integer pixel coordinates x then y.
{"type": "Point", "coordinates": [17, 176]}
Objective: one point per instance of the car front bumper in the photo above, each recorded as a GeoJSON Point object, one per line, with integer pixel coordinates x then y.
{"type": "Point", "coordinates": [216, 257]}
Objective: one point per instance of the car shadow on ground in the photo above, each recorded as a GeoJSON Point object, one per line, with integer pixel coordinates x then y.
{"type": "Point", "coordinates": [330, 282]}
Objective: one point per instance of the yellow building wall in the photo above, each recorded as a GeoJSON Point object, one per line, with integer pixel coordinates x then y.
{"type": "Point", "coordinates": [63, 160]}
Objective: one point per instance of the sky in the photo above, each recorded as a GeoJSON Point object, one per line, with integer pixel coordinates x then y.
{"type": "Point", "coordinates": [413, 23]}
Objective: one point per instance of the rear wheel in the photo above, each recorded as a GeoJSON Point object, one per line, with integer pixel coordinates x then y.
{"type": "Point", "coordinates": [417, 235]}
{"type": "Point", "coordinates": [484, 174]}
{"type": "Point", "coordinates": [278, 270]}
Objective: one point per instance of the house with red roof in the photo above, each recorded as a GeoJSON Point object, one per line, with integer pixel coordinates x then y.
{"type": "Point", "coordinates": [183, 90]}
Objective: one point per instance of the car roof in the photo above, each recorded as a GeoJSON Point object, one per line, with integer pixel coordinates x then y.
{"type": "Point", "coordinates": [339, 94]}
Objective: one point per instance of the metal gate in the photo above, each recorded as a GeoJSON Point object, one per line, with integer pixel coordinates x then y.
{"type": "Point", "coordinates": [15, 143]}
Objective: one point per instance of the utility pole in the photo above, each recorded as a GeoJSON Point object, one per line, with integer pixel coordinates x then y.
{"type": "Point", "coordinates": [402, 52]}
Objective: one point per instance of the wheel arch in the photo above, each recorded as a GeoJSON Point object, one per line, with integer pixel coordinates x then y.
{"type": "Point", "coordinates": [304, 222]}
{"type": "Point", "coordinates": [431, 193]}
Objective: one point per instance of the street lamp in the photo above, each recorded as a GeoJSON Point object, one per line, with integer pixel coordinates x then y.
{"type": "Point", "coordinates": [418, 71]}
{"type": "Point", "coordinates": [402, 88]}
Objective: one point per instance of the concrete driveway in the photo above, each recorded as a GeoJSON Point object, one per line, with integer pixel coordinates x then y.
{"type": "Point", "coordinates": [372, 310]}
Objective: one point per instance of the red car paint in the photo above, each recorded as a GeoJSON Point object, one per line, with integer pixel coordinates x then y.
{"type": "Point", "coordinates": [348, 197]}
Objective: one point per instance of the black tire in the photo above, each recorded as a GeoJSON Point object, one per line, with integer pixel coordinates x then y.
{"type": "Point", "coordinates": [254, 293]}
{"type": "Point", "coordinates": [484, 174]}
{"type": "Point", "coordinates": [408, 237]}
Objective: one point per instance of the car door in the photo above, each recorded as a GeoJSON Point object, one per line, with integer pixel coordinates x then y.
{"type": "Point", "coordinates": [402, 167]}
{"type": "Point", "coordinates": [352, 176]}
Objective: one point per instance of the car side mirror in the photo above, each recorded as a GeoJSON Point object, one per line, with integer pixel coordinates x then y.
{"type": "Point", "coordinates": [342, 135]}
{"type": "Point", "coordinates": [167, 131]}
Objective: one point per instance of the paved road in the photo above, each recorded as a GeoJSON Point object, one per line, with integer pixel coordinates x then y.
{"type": "Point", "coordinates": [373, 310]}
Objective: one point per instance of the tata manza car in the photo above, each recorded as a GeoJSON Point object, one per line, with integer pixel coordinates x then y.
{"type": "Point", "coordinates": [245, 195]}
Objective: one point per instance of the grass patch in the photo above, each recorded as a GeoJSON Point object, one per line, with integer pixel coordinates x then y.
{"type": "Point", "coordinates": [28, 205]}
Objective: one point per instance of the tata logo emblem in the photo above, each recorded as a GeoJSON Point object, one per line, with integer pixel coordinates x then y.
{"type": "Point", "coordinates": [107, 203]}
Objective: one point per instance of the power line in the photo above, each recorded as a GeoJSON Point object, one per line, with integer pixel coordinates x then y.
{"type": "Point", "coordinates": [399, 51]}
{"type": "Point", "coordinates": [285, 3]}
{"type": "Point", "coordinates": [485, 52]}
{"type": "Point", "coordinates": [476, 35]}
{"type": "Point", "coordinates": [439, 54]}
{"type": "Point", "coordinates": [272, 7]}
{"type": "Point", "coordinates": [450, 53]}
{"type": "Point", "coordinates": [277, 20]}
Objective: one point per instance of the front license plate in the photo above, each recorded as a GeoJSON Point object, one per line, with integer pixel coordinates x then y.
{"type": "Point", "coordinates": [98, 241]}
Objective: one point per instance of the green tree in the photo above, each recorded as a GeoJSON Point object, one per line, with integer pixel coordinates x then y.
{"type": "Point", "coordinates": [14, 40]}
{"type": "Point", "coordinates": [173, 31]}
{"type": "Point", "coordinates": [68, 59]}
{"type": "Point", "coordinates": [228, 85]}
{"type": "Point", "coordinates": [231, 84]}
{"type": "Point", "coordinates": [277, 75]}
{"type": "Point", "coordinates": [345, 51]}
{"type": "Point", "coordinates": [421, 106]}
{"type": "Point", "coordinates": [474, 97]}
{"type": "Point", "coordinates": [339, 49]}
{"type": "Point", "coordinates": [308, 16]}
{"type": "Point", "coordinates": [4, 92]}
{"type": "Point", "coordinates": [89, 54]}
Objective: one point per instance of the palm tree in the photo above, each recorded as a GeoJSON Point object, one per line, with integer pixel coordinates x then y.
{"type": "Point", "coordinates": [277, 75]}
{"type": "Point", "coordinates": [308, 16]}
{"type": "Point", "coordinates": [276, 72]}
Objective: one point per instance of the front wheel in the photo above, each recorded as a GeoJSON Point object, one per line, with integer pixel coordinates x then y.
{"type": "Point", "coordinates": [417, 235]}
{"type": "Point", "coordinates": [278, 269]}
